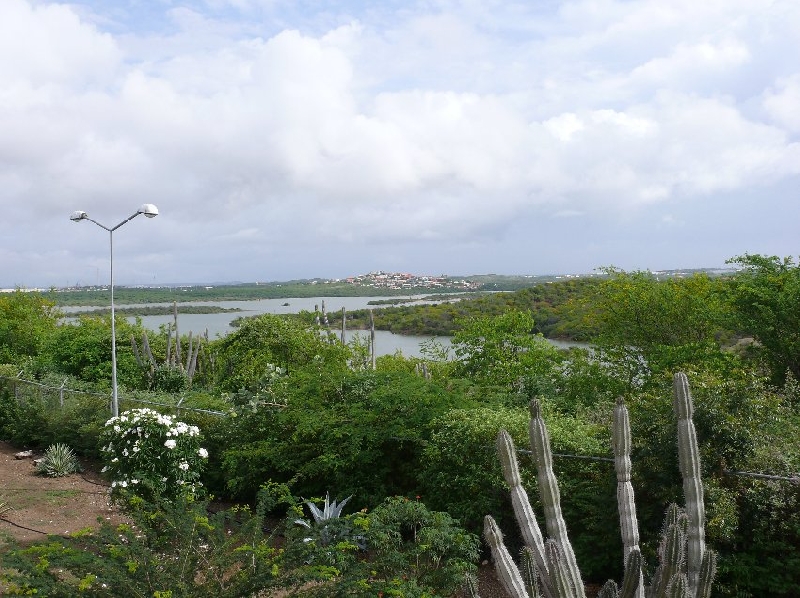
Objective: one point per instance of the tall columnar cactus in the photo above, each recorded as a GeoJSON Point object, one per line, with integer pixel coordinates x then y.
{"type": "Point", "coordinates": [686, 568]}
{"type": "Point", "coordinates": [689, 460]}
{"type": "Point", "coordinates": [551, 497]}
{"type": "Point", "coordinates": [507, 571]}
{"type": "Point", "coordinates": [626, 505]}
{"type": "Point", "coordinates": [529, 573]}
{"type": "Point", "coordinates": [526, 519]}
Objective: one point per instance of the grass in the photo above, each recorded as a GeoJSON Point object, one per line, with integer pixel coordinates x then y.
{"type": "Point", "coordinates": [56, 496]}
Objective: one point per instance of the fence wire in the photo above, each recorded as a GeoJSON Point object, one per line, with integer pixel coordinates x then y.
{"type": "Point", "coordinates": [58, 396]}
{"type": "Point", "coordinates": [62, 393]}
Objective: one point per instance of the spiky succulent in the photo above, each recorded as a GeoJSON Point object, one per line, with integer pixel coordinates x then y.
{"type": "Point", "coordinates": [58, 461]}
{"type": "Point", "coordinates": [328, 526]}
{"type": "Point", "coordinates": [4, 507]}
{"type": "Point", "coordinates": [331, 510]}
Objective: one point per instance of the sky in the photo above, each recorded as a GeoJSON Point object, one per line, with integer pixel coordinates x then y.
{"type": "Point", "coordinates": [291, 139]}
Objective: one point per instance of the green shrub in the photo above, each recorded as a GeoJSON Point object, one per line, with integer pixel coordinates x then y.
{"type": "Point", "coordinates": [428, 546]}
{"type": "Point", "coordinates": [152, 455]}
{"type": "Point", "coordinates": [79, 423]}
{"type": "Point", "coordinates": [83, 350]}
{"type": "Point", "coordinates": [168, 378]}
{"type": "Point", "coordinates": [360, 432]}
{"type": "Point", "coordinates": [23, 423]}
{"type": "Point", "coordinates": [410, 551]}
{"type": "Point", "coordinates": [458, 465]}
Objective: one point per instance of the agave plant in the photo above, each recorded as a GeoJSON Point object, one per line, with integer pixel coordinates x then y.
{"type": "Point", "coordinates": [4, 508]}
{"type": "Point", "coordinates": [326, 525]}
{"type": "Point", "coordinates": [58, 461]}
{"type": "Point", "coordinates": [331, 510]}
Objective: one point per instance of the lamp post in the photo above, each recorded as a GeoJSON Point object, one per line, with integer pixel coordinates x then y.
{"type": "Point", "coordinates": [150, 211]}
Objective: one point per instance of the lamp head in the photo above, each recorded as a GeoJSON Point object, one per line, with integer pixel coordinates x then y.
{"type": "Point", "coordinates": [149, 210]}
{"type": "Point", "coordinates": [78, 215]}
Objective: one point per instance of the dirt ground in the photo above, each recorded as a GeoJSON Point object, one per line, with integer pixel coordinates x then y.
{"type": "Point", "coordinates": [42, 505]}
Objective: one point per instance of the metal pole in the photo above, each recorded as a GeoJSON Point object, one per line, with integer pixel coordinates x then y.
{"type": "Point", "coordinates": [150, 211]}
{"type": "Point", "coordinates": [114, 396]}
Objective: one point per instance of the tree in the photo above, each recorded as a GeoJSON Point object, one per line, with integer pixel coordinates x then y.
{"type": "Point", "coordinates": [27, 320]}
{"type": "Point", "coordinates": [639, 309]}
{"type": "Point", "coordinates": [502, 350]}
{"type": "Point", "coordinates": [83, 350]}
{"type": "Point", "coordinates": [765, 297]}
{"type": "Point", "coordinates": [242, 358]}
{"type": "Point", "coordinates": [664, 324]}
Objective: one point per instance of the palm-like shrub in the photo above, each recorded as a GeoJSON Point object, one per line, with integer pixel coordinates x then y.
{"type": "Point", "coordinates": [58, 461]}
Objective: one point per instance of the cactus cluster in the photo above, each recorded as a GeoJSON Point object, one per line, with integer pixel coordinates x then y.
{"type": "Point", "coordinates": [548, 568]}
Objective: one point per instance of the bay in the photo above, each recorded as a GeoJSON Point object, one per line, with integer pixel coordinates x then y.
{"type": "Point", "coordinates": [218, 324]}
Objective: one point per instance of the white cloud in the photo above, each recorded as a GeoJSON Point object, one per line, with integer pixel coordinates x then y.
{"type": "Point", "coordinates": [782, 103]}
{"type": "Point", "coordinates": [564, 126]}
{"type": "Point", "coordinates": [357, 126]}
{"type": "Point", "coordinates": [46, 44]}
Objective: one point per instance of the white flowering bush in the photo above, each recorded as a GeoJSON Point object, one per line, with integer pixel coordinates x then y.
{"type": "Point", "coordinates": [151, 455]}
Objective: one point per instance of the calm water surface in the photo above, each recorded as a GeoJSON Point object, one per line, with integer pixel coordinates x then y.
{"type": "Point", "coordinates": [218, 325]}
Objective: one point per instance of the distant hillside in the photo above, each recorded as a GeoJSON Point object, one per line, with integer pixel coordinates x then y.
{"type": "Point", "coordinates": [373, 284]}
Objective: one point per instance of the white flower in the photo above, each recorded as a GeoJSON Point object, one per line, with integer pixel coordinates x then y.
{"type": "Point", "coordinates": [170, 444]}
{"type": "Point", "coordinates": [184, 466]}
{"type": "Point", "coordinates": [203, 453]}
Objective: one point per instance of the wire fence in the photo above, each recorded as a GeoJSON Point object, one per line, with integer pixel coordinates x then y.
{"type": "Point", "coordinates": [59, 396]}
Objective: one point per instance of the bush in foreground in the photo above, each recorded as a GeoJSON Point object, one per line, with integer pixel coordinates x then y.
{"type": "Point", "coordinates": [152, 455]}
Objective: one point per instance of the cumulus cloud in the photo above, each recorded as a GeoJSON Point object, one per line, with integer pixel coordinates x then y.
{"type": "Point", "coordinates": [782, 103]}
{"type": "Point", "coordinates": [259, 125]}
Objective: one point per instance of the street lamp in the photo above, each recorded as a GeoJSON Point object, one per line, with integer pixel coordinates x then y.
{"type": "Point", "coordinates": [150, 211]}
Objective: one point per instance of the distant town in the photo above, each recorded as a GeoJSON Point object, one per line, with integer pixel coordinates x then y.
{"type": "Point", "coordinates": [388, 281]}
{"type": "Point", "coordinates": [398, 281]}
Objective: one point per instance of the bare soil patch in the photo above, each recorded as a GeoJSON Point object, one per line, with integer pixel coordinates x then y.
{"type": "Point", "coordinates": [43, 506]}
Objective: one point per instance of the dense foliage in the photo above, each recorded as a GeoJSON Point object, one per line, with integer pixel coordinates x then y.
{"type": "Point", "coordinates": [765, 295]}
{"type": "Point", "coordinates": [550, 305]}
{"type": "Point", "coordinates": [26, 323]}
{"type": "Point", "coordinates": [281, 403]}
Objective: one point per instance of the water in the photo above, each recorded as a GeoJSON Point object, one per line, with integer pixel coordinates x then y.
{"type": "Point", "coordinates": [218, 325]}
